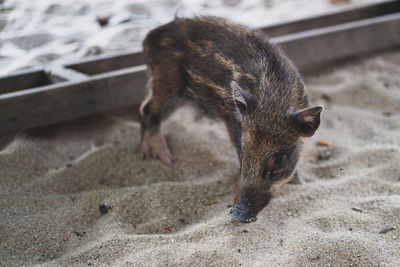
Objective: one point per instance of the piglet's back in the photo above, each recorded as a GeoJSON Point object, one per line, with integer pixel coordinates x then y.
{"type": "Point", "coordinates": [216, 49]}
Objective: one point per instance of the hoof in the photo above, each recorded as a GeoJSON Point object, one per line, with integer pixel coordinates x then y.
{"type": "Point", "coordinates": [155, 147]}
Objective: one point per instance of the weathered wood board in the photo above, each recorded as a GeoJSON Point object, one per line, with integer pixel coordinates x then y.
{"type": "Point", "coordinates": [311, 48]}
{"type": "Point", "coordinates": [23, 80]}
{"type": "Point", "coordinates": [69, 100]}
{"type": "Point", "coordinates": [334, 18]}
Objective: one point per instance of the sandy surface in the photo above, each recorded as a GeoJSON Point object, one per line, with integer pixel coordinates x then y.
{"type": "Point", "coordinates": [53, 181]}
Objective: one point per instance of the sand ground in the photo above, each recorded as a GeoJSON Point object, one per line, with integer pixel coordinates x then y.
{"type": "Point", "coordinates": [54, 180]}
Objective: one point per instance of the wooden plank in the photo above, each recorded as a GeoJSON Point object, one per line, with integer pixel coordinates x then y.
{"type": "Point", "coordinates": [68, 100]}
{"type": "Point", "coordinates": [334, 18]}
{"type": "Point", "coordinates": [26, 79]}
{"type": "Point", "coordinates": [104, 63]}
{"type": "Point", "coordinates": [60, 74]}
{"type": "Point", "coordinates": [23, 80]}
{"type": "Point", "coordinates": [311, 48]}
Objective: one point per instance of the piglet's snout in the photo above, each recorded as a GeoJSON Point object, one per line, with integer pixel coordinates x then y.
{"type": "Point", "coordinates": [242, 212]}
{"type": "Point", "coordinates": [249, 203]}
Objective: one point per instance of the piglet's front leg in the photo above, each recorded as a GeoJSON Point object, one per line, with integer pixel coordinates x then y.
{"type": "Point", "coordinates": [157, 105]}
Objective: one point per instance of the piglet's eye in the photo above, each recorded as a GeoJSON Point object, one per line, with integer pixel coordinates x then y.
{"type": "Point", "coordinates": [277, 161]}
{"type": "Point", "coordinates": [271, 162]}
{"type": "Point", "coordinates": [281, 160]}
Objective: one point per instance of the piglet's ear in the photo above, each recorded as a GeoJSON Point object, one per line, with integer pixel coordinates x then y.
{"type": "Point", "coordinates": [244, 101]}
{"type": "Point", "coordinates": [307, 120]}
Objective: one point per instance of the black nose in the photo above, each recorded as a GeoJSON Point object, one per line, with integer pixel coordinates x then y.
{"type": "Point", "coordinates": [242, 214]}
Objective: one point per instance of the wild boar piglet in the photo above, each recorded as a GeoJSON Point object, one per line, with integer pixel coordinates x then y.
{"type": "Point", "coordinates": [233, 73]}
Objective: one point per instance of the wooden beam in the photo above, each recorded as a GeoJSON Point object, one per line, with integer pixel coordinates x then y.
{"type": "Point", "coordinates": [105, 63]}
{"type": "Point", "coordinates": [23, 80]}
{"type": "Point", "coordinates": [321, 46]}
{"type": "Point", "coordinates": [68, 100]}
{"type": "Point", "coordinates": [333, 18]}
{"type": "Point", "coordinates": [60, 74]}
{"type": "Point", "coordinates": [26, 79]}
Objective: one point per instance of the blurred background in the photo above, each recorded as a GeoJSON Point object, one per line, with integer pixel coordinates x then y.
{"type": "Point", "coordinates": [42, 32]}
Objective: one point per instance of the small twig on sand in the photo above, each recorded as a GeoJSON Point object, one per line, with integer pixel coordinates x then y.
{"type": "Point", "coordinates": [210, 203]}
{"type": "Point", "coordinates": [387, 229]}
{"type": "Point", "coordinates": [357, 209]}
{"type": "Point", "coordinates": [322, 143]}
